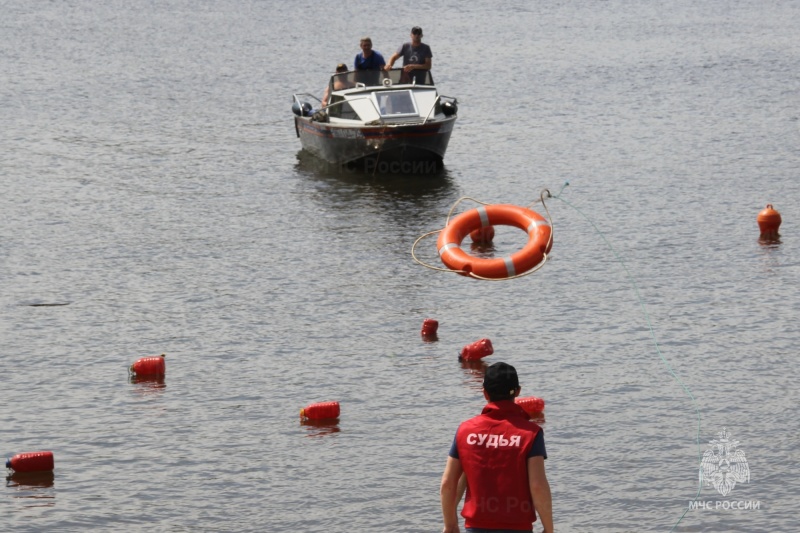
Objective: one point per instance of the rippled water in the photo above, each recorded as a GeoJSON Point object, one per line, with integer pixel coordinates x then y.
{"type": "Point", "coordinates": [154, 200]}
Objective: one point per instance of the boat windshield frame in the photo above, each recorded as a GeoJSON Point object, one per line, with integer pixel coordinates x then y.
{"type": "Point", "coordinates": [395, 104]}
{"type": "Point", "coordinates": [379, 78]}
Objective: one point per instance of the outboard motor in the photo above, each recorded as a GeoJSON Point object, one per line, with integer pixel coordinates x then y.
{"type": "Point", "coordinates": [301, 112]}
{"type": "Point", "coordinates": [449, 108]}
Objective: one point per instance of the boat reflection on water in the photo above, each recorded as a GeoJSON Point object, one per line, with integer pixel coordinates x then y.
{"type": "Point", "coordinates": [411, 176]}
{"type": "Point", "coordinates": [320, 428]}
{"type": "Point", "coordinates": [36, 486]}
{"type": "Point", "coordinates": [407, 199]}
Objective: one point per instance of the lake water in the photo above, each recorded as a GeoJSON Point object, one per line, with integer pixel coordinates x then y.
{"type": "Point", "coordinates": [153, 187]}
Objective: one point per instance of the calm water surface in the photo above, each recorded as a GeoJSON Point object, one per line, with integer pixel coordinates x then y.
{"type": "Point", "coordinates": [153, 187]}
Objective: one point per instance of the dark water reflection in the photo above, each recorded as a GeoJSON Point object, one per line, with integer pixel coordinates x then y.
{"type": "Point", "coordinates": [35, 488]}
{"type": "Point", "coordinates": [399, 185]}
{"type": "Point", "coordinates": [31, 480]}
{"type": "Point", "coordinates": [320, 428]}
{"type": "Point", "coordinates": [147, 385]}
{"type": "Point", "coordinates": [770, 242]}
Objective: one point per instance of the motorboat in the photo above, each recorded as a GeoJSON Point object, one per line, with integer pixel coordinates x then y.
{"type": "Point", "coordinates": [391, 121]}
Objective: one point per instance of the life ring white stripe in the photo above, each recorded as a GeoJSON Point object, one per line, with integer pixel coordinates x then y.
{"type": "Point", "coordinates": [446, 247]}
{"type": "Point", "coordinates": [484, 216]}
{"type": "Point", "coordinates": [509, 266]}
{"type": "Point", "coordinates": [536, 223]}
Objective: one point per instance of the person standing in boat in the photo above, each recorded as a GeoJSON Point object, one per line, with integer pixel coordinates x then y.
{"type": "Point", "coordinates": [416, 54]}
{"type": "Point", "coordinates": [502, 453]}
{"type": "Point", "coordinates": [369, 59]}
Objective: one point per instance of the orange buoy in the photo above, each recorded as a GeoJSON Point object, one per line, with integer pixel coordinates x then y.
{"type": "Point", "coordinates": [483, 235]}
{"type": "Point", "coordinates": [769, 221]}
{"type": "Point", "coordinates": [320, 411]}
{"type": "Point", "coordinates": [476, 351]}
{"type": "Point", "coordinates": [150, 366]}
{"type": "Point", "coordinates": [531, 404]}
{"type": "Point", "coordinates": [31, 462]}
{"type": "Point", "coordinates": [533, 253]}
{"type": "Point", "coordinates": [429, 327]}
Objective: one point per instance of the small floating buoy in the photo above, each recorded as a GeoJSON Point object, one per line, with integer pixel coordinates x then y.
{"type": "Point", "coordinates": [320, 411]}
{"type": "Point", "coordinates": [769, 221]}
{"type": "Point", "coordinates": [476, 351]}
{"type": "Point", "coordinates": [532, 405]}
{"type": "Point", "coordinates": [429, 327]}
{"type": "Point", "coordinates": [150, 366]}
{"type": "Point", "coordinates": [31, 462]}
{"type": "Point", "coordinates": [483, 235]}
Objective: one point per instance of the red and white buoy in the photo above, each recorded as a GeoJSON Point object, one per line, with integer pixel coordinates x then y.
{"type": "Point", "coordinates": [149, 366]}
{"type": "Point", "coordinates": [769, 221]}
{"type": "Point", "coordinates": [320, 411]}
{"type": "Point", "coordinates": [476, 351]}
{"type": "Point", "coordinates": [31, 462]}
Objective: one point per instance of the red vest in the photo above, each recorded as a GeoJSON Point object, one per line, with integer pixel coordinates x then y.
{"type": "Point", "coordinates": [493, 449]}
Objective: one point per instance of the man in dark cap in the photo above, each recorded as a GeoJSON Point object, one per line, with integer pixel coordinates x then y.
{"type": "Point", "coordinates": [416, 54]}
{"type": "Point", "coordinates": [502, 453]}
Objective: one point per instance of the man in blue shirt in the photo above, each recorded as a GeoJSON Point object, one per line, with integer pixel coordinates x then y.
{"type": "Point", "coordinates": [368, 59]}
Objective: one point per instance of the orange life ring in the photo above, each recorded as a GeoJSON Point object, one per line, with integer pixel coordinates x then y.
{"type": "Point", "coordinates": [532, 223]}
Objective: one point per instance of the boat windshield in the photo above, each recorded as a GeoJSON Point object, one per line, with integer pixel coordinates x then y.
{"type": "Point", "coordinates": [377, 78]}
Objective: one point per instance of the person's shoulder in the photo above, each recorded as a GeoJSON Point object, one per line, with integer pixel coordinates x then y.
{"type": "Point", "coordinates": [523, 420]}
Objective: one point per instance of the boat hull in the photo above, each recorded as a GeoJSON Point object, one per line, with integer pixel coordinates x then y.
{"type": "Point", "coordinates": [382, 144]}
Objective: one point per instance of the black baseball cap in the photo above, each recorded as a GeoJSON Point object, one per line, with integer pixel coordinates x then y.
{"type": "Point", "coordinates": [500, 378]}
{"type": "Point", "coordinates": [416, 30]}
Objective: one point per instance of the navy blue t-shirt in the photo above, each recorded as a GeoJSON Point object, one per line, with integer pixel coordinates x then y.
{"type": "Point", "coordinates": [373, 62]}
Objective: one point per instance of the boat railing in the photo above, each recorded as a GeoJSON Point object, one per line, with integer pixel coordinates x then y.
{"type": "Point", "coordinates": [381, 78]}
{"type": "Point", "coordinates": [301, 98]}
{"type": "Point", "coordinates": [433, 107]}
{"type": "Point", "coordinates": [296, 97]}
{"type": "Point", "coordinates": [438, 100]}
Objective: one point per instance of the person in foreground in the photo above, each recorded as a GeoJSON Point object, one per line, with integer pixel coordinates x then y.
{"type": "Point", "coordinates": [502, 453]}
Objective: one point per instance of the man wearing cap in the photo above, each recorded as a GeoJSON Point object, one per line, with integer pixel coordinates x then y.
{"type": "Point", "coordinates": [502, 453]}
{"type": "Point", "coordinates": [416, 54]}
